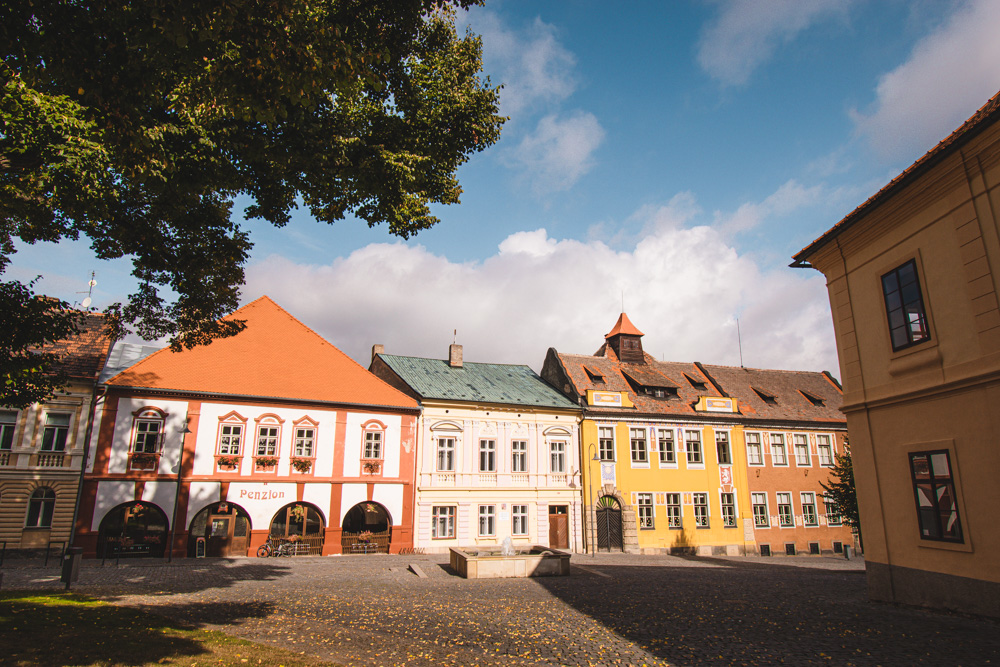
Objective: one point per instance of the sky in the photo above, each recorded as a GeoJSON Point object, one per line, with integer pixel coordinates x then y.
{"type": "Point", "coordinates": [667, 158]}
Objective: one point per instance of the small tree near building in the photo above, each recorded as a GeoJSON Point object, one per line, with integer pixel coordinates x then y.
{"type": "Point", "coordinates": [842, 492]}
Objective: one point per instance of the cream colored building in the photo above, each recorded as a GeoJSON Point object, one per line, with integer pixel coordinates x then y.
{"type": "Point", "coordinates": [497, 454]}
{"type": "Point", "coordinates": [913, 276]}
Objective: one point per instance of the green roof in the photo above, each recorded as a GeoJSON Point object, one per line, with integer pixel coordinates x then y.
{"type": "Point", "coordinates": [507, 384]}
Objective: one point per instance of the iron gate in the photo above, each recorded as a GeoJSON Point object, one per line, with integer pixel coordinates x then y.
{"type": "Point", "coordinates": [609, 525]}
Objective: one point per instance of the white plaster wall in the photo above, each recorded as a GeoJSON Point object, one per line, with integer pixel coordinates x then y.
{"type": "Point", "coordinates": [391, 496]}
{"type": "Point", "coordinates": [354, 442]}
{"type": "Point", "coordinates": [172, 427]}
{"type": "Point", "coordinates": [110, 495]}
{"type": "Point", "coordinates": [318, 495]}
{"type": "Point", "coordinates": [202, 495]}
{"type": "Point", "coordinates": [162, 495]}
{"type": "Point", "coordinates": [261, 500]}
{"type": "Point", "coordinates": [351, 495]}
{"type": "Point", "coordinates": [208, 436]}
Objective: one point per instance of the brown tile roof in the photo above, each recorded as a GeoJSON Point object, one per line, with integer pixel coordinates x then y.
{"type": "Point", "coordinates": [276, 356]}
{"type": "Point", "coordinates": [83, 355]}
{"type": "Point", "coordinates": [653, 374]}
{"type": "Point", "coordinates": [790, 390]}
{"type": "Point", "coordinates": [983, 118]}
{"type": "Point", "coordinates": [624, 326]}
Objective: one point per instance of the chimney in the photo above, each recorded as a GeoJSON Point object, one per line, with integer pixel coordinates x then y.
{"type": "Point", "coordinates": [377, 348]}
{"type": "Point", "coordinates": [455, 355]}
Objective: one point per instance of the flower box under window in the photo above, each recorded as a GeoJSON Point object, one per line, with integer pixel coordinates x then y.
{"type": "Point", "coordinates": [371, 466]}
{"type": "Point", "coordinates": [302, 465]}
{"type": "Point", "coordinates": [227, 463]}
{"type": "Point", "coordinates": [144, 461]}
{"type": "Point", "coordinates": [265, 463]}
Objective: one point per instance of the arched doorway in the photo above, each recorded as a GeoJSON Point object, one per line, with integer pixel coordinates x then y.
{"type": "Point", "coordinates": [609, 524]}
{"type": "Point", "coordinates": [225, 528]}
{"type": "Point", "coordinates": [133, 529]}
{"type": "Point", "coordinates": [301, 523]}
{"type": "Point", "coordinates": [367, 529]}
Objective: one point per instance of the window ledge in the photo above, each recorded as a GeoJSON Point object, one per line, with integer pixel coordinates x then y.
{"type": "Point", "coordinates": [914, 359]}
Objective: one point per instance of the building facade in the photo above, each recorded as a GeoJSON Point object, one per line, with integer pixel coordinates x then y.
{"type": "Point", "coordinates": [665, 451]}
{"type": "Point", "coordinates": [497, 454]}
{"type": "Point", "coordinates": [42, 447]}
{"type": "Point", "coordinates": [913, 289]}
{"type": "Point", "coordinates": [271, 436]}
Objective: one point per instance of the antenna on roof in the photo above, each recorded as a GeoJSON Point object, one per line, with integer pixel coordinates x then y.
{"type": "Point", "coordinates": [623, 301]}
{"type": "Point", "coordinates": [739, 339]}
{"type": "Point", "coordinates": [455, 339]}
{"type": "Point", "coordinates": [90, 291]}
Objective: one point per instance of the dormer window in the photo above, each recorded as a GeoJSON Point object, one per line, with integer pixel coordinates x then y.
{"type": "Point", "coordinates": [697, 384]}
{"type": "Point", "coordinates": [766, 397]}
{"type": "Point", "coordinates": [815, 400]}
{"type": "Point", "coordinates": [595, 376]}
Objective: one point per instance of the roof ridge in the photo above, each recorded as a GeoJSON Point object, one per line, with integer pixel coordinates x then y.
{"type": "Point", "coordinates": [445, 361]}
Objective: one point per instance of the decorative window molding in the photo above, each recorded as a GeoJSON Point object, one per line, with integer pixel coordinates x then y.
{"type": "Point", "coordinates": [666, 448]}
{"type": "Point", "coordinates": [443, 522]}
{"type": "Point", "coordinates": [692, 446]}
{"type": "Point", "coordinates": [779, 454]}
{"type": "Point", "coordinates": [755, 454]}
{"type": "Point", "coordinates": [786, 518]}
{"type": "Point", "coordinates": [727, 503]}
{"type": "Point", "coordinates": [445, 454]}
{"type": "Point", "coordinates": [146, 441]}
{"type": "Point", "coordinates": [723, 452]}
{"type": "Point", "coordinates": [701, 512]}
{"type": "Point", "coordinates": [644, 505]}
{"type": "Point", "coordinates": [56, 431]}
{"type": "Point", "coordinates": [41, 506]}
{"type": "Point", "coordinates": [373, 446]}
{"type": "Point", "coordinates": [674, 515]}
{"type": "Point", "coordinates": [803, 456]}
{"type": "Point", "coordinates": [637, 445]}
{"type": "Point", "coordinates": [809, 515]}
{"type": "Point", "coordinates": [824, 450]}
{"type": "Point", "coordinates": [761, 515]}
{"type": "Point", "coordinates": [229, 447]}
{"type": "Point", "coordinates": [557, 457]}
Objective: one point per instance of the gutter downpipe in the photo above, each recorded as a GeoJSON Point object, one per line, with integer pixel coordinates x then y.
{"type": "Point", "coordinates": [86, 453]}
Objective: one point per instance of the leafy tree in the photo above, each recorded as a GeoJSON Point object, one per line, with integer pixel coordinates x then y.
{"type": "Point", "coordinates": [28, 323]}
{"type": "Point", "coordinates": [137, 124]}
{"type": "Point", "coordinates": [841, 490]}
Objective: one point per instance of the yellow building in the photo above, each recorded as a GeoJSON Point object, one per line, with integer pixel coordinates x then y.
{"type": "Point", "coordinates": [913, 284]}
{"type": "Point", "coordinates": [664, 465]}
{"type": "Point", "coordinates": [667, 451]}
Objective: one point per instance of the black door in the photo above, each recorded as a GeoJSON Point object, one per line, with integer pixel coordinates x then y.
{"type": "Point", "coordinates": [609, 524]}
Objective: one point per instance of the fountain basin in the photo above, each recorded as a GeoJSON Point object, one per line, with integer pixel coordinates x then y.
{"type": "Point", "coordinates": [538, 561]}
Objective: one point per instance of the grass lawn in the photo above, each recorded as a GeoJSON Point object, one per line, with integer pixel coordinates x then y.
{"type": "Point", "coordinates": [68, 629]}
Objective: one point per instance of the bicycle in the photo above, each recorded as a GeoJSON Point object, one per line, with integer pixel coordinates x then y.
{"type": "Point", "coordinates": [271, 548]}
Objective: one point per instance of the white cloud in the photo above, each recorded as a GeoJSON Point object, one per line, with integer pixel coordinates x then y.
{"type": "Point", "coordinates": [747, 33]}
{"type": "Point", "coordinates": [683, 286]}
{"type": "Point", "coordinates": [558, 152]}
{"type": "Point", "coordinates": [785, 200]}
{"type": "Point", "coordinates": [949, 75]}
{"type": "Point", "coordinates": [532, 65]}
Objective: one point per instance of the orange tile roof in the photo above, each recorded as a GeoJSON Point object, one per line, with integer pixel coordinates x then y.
{"type": "Point", "coordinates": [276, 356]}
{"type": "Point", "coordinates": [624, 326]}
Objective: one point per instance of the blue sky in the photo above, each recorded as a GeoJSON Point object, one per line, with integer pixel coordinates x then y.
{"type": "Point", "coordinates": [670, 156]}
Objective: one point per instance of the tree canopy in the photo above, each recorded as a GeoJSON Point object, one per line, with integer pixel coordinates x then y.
{"type": "Point", "coordinates": [841, 489]}
{"type": "Point", "coordinates": [137, 124]}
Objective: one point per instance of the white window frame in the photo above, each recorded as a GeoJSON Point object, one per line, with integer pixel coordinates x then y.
{"type": "Point", "coordinates": [755, 451]}
{"type": "Point", "coordinates": [702, 510]}
{"type": "Point", "coordinates": [267, 443]}
{"type": "Point", "coordinates": [644, 511]}
{"type": "Point", "coordinates": [443, 522]}
{"type": "Point", "coordinates": [147, 429]}
{"type": "Point", "coordinates": [487, 455]}
{"type": "Point", "coordinates": [305, 442]}
{"type": "Point", "coordinates": [675, 513]}
{"type": "Point", "coordinates": [374, 446]}
{"type": "Point", "coordinates": [728, 517]}
{"type": "Point", "coordinates": [638, 451]}
{"type": "Point", "coordinates": [808, 500]}
{"type": "Point", "coordinates": [59, 431]}
{"type": "Point", "coordinates": [797, 445]}
{"type": "Point", "coordinates": [231, 439]}
{"type": "Point", "coordinates": [519, 520]}
{"type": "Point", "coordinates": [666, 444]}
{"type": "Point", "coordinates": [761, 519]}
{"type": "Point", "coordinates": [557, 457]}
{"type": "Point", "coordinates": [781, 505]}
{"type": "Point", "coordinates": [487, 520]}
{"type": "Point", "coordinates": [519, 456]}
{"type": "Point", "coordinates": [444, 454]}
{"type": "Point", "coordinates": [695, 455]}
{"type": "Point", "coordinates": [606, 443]}
{"type": "Point", "coordinates": [722, 440]}
{"type": "Point", "coordinates": [825, 442]}
{"type": "Point", "coordinates": [781, 446]}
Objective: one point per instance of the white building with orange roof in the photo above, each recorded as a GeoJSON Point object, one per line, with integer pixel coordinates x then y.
{"type": "Point", "coordinates": [272, 436]}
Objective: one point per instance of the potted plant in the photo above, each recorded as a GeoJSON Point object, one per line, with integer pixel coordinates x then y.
{"type": "Point", "coordinates": [365, 537]}
{"type": "Point", "coordinates": [302, 465]}
{"type": "Point", "coordinates": [266, 462]}
{"type": "Point", "coordinates": [372, 467]}
{"type": "Point", "coordinates": [143, 460]}
{"type": "Point", "coordinates": [228, 461]}
{"type": "Point", "coordinates": [298, 512]}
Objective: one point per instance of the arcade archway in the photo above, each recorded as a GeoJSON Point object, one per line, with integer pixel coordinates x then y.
{"type": "Point", "coordinates": [301, 523]}
{"type": "Point", "coordinates": [367, 529]}
{"type": "Point", "coordinates": [225, 527]}
{"type": "Point", "coordinates": [133, 529]}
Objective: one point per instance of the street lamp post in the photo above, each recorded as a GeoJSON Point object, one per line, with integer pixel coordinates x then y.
{"type": "Point", "coordinates": [177, 491]}
{"type": "Point", "coordinates": [593, 510]}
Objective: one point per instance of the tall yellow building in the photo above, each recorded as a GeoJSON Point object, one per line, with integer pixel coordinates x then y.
{"type": "Point", "coordinates": [665, 458]}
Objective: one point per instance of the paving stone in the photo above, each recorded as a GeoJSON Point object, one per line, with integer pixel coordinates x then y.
{"type": "Point", "coordinates": [613, 610]}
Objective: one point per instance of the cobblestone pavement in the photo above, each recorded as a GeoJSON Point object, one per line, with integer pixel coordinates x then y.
{"type": "Point", "coordinates": [613, 610]}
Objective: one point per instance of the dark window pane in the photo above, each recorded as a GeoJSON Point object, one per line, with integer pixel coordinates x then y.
{"type": "Point", "coordinates": [890, 283]}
